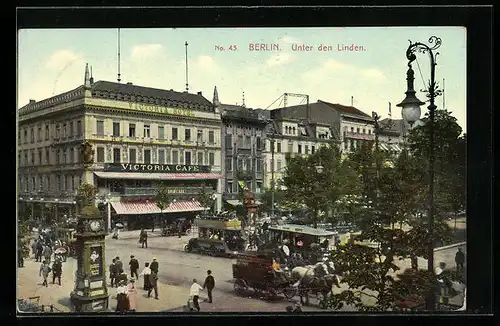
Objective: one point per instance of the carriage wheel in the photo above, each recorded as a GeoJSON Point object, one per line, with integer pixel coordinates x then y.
{"type": "Point", "coordinates": [271, 293]}
{"type": "Point", "coordinates": [239, 286]}
{"type": "Point", "coordinates": [258, 292]}
{"type": "Point", "coordinates": [289, 292]}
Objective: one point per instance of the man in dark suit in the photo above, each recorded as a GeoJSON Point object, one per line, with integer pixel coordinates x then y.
{"type": "Point", "coordinates": [154, 265]}
{"type": "Point", "coordinates": [209, 284]}
{"type": "Point", "coordinates": [134, 266]}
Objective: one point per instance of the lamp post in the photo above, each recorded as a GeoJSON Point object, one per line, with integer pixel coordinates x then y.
{"type": "Point", "coordinates": [410, 110]}
{"type": "Point", "coordinates": [214, 198]}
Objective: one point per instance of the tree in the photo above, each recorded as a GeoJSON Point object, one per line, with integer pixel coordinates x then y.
{"type": "Point", "coordinates": [86, 193]}
{"type": "Point", "coordinates": [267, 202]}
{"type": "Point", "coordinates": [162, 198]}
{"type": "Point", "coordinates": [307, 185]}
{"type": "Point", "coordinates": [205, 200]}
{"type": "Point", "coordinates": [371, 271]}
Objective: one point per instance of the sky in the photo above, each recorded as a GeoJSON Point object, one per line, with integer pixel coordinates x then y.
{"type": "Point", "coordinates": [52, 61]}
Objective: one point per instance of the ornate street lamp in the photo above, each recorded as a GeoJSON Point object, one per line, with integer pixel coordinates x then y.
{"type": "Point", "coordinates": [410, 110]}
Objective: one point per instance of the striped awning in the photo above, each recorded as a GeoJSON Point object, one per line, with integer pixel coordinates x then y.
{"type": "Point", "coordinates": [157, 176]}
{"type": "Point", "coordinates": [235, 202]}
{"type": "Point", "coordinates": [131, 208]}
{"type": "Point", "coordinates": [384, 147]}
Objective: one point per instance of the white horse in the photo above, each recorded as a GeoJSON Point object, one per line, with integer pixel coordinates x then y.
{"type": "Point", "coordinates": [318, 278]}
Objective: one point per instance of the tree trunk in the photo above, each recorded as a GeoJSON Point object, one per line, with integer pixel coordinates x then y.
{"type": "Point", "coordinates": [315, 219]}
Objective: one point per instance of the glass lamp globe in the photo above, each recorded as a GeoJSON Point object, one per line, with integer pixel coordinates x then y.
{"type": "Point", "coordinates": [319, 168]}
{"type": "Point", "coordinates": [411, 112]}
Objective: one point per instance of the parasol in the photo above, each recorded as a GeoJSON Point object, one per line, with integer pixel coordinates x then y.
{"type": "Point", "coordinates": [286, 250]}
{"type": "Point", "coordinates": [119, 225]}
{"type": "Point", "coordinates": [60, 250]}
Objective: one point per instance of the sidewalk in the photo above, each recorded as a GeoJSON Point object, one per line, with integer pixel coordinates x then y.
{"type": "Point", "coordinates": [30, 285]}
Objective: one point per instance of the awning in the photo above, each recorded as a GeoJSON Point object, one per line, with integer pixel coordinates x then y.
{"type": "Point", "coordinates": [384, 147]}
{"type": "Point", "coordinates": [235, 202]}
{"type": "Point", "coordinates": [131, 208]}
{"type": "Point", "coordinates": [157, 176]}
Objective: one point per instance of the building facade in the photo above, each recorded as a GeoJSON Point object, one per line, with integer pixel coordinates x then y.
{"type": "Point", "coordinates": [392, 135]}
{"type": "Point", "coordinates": [136, 138]}
{"type": "Point", "coordinates": [243, 130]}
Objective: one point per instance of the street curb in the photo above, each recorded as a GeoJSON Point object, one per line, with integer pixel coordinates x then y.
{"type": "Point", "coordinates": [451, 246]}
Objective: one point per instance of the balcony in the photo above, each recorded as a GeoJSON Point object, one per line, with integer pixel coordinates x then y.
{"type": "Point", "coordinates": [359, 136]}
{"type": "Point", "coordinates": [150, 191]}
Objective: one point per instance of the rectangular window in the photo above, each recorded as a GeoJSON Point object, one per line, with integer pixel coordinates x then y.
{"type": "Point", "coordinates": [229, 141]}
{"type": "Point", "coordinates": [229, 187]}
{"type": "Point", "coordinates": [369, 131]}
{"type": "Point", "coordinates": [32, 158]}
{"type": "Point", "coordinates": [167, 158]}
{"type": "Point", "coordinates": [364, 130]}
{"type": "Point", "coordinates": [313, 149]}
{"type": "Point", "coordinates": [200, 158]}
{"type": "Point", "coordinates": [100, 154]}
{"type": "Point", "coordinates": [78, 128]}
{"type": "Point", "coordinates": [58, 156]}
{"type": "Point", "coordinates": [175, 157]}
{"type": "Point", "coordinates": [199, 136]}
{"type": "Point", "coordinates": [161, 132]}
{"type": "Point", "coordinates": [100, 128]}
{"type": "Point", "coordinates": [259, 142]}
{"type": "Point", "coordinates": [290, 147]}
{"type": "Point", "coordinates": [188, 158]}
{"type": "Point", "coordinates": [132, 155]}
{"type": "Point", "coordinates": [39, 136]}
{"type": "Point", "coordinates": [161, 156]}
{"type": "Point", "coordinates": [25, 136]}
{"type": "Point", "coordinates": [229, 164]}
{"type": "Point", "coordinates": [278, 166]}
{"type": "Point", "coordinates": [248, 142]}
{"type": "Point", "coordinates": [40, 161]}
{"type": "Point", "coordinates": [26, 158]}
{"type": "Point", "coordinates": [116, 155]}
{"type": "Point", "coordinates": [299, 149]}
{"type": "Point", "coordinates": [240, 164]}
{"type": "Point", "coordinates": [357, 130]}
{"type": "Point", "coordinates": [116, 129]}
{"type": "Point", "coordinates": [47, 156]}
{"type": "Point", "coordinates": [48, 182]}
{"type": "Point", "coordinates": [147, 156]}
{"type": "Point", "coordinates": [174, 133]}
{"type": "Point", "coordinates": [345, 144]}
{"type": "Point", "coordinates": [147, 131]}
{"type": "Point", "coordinates": [65, 130]}
{"type": "Point", "coordinates": [32, 135]}
{"type": "Point", "coordinates": [249, 164]}
{"type": "Point", "coordinates": [63, 155]}
{"type": "Point", "coordinates": [240, 141]}
{"type": "Point", "coordinates": [131, 130]}
{"type": "Point", "coordinates": [306, 149]}
{"type": "Point", "coordinates": [278, 147]}
{"type": "Point", "coordinates": [352, 129]}
{"type": "Point", "coordinates": [211, 138]}
{"type": "Point", "coordinates": [258, 188]}
{"type": "Point", "coordinates": [211, 159]}
{"type": "Point", "coordinates": [187, 134]}
{"type": "Point", "coordinates": [71, 155]}
{"type": "Point", "coordinates": [258, 165]}
{"type": "Point", "coordinates": [71, 132]}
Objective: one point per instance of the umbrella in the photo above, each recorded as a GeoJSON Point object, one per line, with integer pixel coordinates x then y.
{"type": "Point", "coordinates": [119, 225]}
{"type": "Point", "coordinates": [60, 250]}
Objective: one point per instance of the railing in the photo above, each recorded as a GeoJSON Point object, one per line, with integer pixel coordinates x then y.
{"type": "Point", "coordinates": [358, 135]}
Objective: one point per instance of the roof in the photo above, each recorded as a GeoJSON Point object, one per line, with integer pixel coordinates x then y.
{"type": "Point", "coordinates": [393, 126]}
{"type": "Point", "coordinates": [346, 109]}
{"type": "Point", "coordinates": [295, 228]}
{"type": "Point", "coordinates": [194, 101]}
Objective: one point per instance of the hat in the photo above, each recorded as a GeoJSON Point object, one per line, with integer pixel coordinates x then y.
{"type": "Point", "coordinates": [132, 279]}
{"type": "Point", "coordinates": [154, 258]}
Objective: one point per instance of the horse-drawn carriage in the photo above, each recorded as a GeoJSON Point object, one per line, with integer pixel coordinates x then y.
{"type": "Point", "coordinates": [257, 271]}
{"type": "Point", "coordinates": [217, 237]}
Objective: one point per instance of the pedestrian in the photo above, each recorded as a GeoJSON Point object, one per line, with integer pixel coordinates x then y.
{"type": "Point", "coordinates": [154, 265]}
{"type": "Point", "coordinates": [119, 264]}
{"type": "Point", "coordinates": [57, 271]}
{"type": "Point", "coordinates": [39, 251]}
{"type": "Point", "coordinates": [143, 238]}
{"type": "Point", "coordinates": [414, 261]}
{"type": "Point", "coordinates": [33, 248]}
{"type": "Point", "coordinates": [460, 260]}
{"type": "Point", "coordinates": [122, 300]}
{"type": "Point", "coordinates": [44, 272]}
{"type": "Point", "coordinates": [179, 228]}
{"type": "Point", "coordinates": [134, 266]}
{"type": "Point", "coordinates": [209, 284]}
{"type": "Point", "coordinates": [113, 272]}
{"type": "Point", "coordinates": [47, 253]}
{"type": "Point", "coordinates": [194, 292]}
{"type": "Point", "coordinates": [146, 272]}
{"type": "Point", "coordinates": [132, 295]}
{"type": "Point", "coordinates": [122, 276]}
{"type": "Point", "coordinates": [153, 282]}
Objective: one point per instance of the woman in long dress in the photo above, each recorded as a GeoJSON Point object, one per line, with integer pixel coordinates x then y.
{"type": "Point", "coordinates": [132, 295]}
{"type": "Point", "coordinates": [146, 272]}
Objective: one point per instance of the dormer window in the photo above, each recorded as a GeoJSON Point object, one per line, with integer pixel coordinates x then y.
{"type": "Point", "coordinates": [293, 131]}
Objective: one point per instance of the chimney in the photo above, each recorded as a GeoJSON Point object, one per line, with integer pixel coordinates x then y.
{"type": "Point", "coordinates": [129, 83]}
{"type": "Point", "coordinates": [32, 101]}
{"type": "Point", "coordinates": [199, 93]}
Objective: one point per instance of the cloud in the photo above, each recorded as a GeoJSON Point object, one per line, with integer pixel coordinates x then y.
{"type": "Point", "coordinates": [289, 40]}
{"type": "Point", "coordinates": [146, 51]}
{"type": "Point", "coordinates": [374, 74]}
{"type": "Point", "coordinates": [278, 59]}
{"type": "Point", "coordinates": [205, 62]}
{"type": "Point", "coordinates": [337, 65]}
{"type": "Point", "coordinates": [61, 59]}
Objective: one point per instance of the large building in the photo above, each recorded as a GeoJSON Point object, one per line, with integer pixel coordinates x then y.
{"type": "Point", "coordinates": [125, 139]}
{"type": "Point", "coordinates": [243, 149]}
{"type": "Point", "coordinates": [392, 134]}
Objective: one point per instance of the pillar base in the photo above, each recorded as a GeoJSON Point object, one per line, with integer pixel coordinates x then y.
{"type": "Point", "coordinates": [90, 304]}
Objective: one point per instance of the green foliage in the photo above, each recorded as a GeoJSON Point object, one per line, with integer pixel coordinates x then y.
{"type": "Point", "coordinates": [90, 211]}
{"type": "Point", "coordinates": [279, 199]}
{"type": "Point", "coordinates": [205, 199]}
{"type": "Point", "coordinates": [23, 238]}
{"type": "Point", "coordinates": [162, 198]}
{"type": "Point", "coordinates": [86, 193]}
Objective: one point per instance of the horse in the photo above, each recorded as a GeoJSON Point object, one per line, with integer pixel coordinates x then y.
{"type": "Point", "coordinates": [318, 279]}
